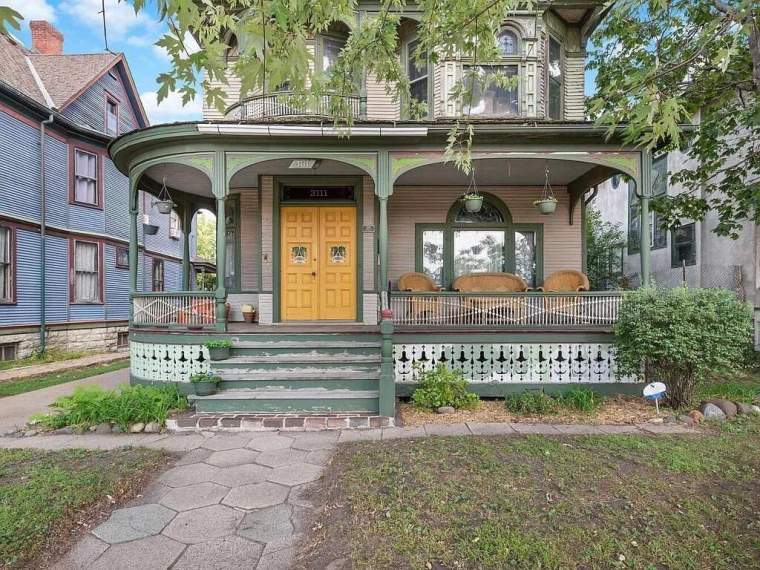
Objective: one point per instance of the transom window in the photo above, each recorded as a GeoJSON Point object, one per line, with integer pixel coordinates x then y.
{"type": "Point", "coordinates": [85, 177]}
{"type": "Point", "coordinates": [6, 264]}
{"type": "Point", "coordinates": [486, 241]}
{"type": "Point", "coordinates": [87, 272]}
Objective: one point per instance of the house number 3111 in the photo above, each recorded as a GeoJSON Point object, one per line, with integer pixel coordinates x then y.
{"type": "Point", "coordinates": [318, 193]}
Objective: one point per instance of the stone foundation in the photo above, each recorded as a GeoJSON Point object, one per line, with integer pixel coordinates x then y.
{"type": "Point", "coordinates": [96, 339]}
{"type": "Point", "coordinates": [276, 422]}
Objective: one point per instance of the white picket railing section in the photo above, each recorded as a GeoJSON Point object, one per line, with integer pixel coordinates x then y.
{"type": "Point", "coordinates": [532, 310]}
{"type": "Point", "coordinates": [190, 309]}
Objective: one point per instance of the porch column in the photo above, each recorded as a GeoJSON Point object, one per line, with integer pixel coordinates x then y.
{"type": "Point", "coordinates": [133, 246]}
{"type": "Point", "coordinates": [382, 239]}
{"type": "Point", "coordinates": [187, 218]}
{"type": "Point", "coordinates": [644, 196]}
{"type": "Point", "coordinates": [221, 262]}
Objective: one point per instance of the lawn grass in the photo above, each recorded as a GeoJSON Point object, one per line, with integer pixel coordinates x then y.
{"type": "Point", "coordinates": [13, 387]}
{"type": "Point", "coordinates": [50, 355]}
{"type": "Point", "coordinates": [742, 387]}
{"type": "Point", "coordinates": [47, 497]}
{"type": "Point", "coordinates": [540, 502]}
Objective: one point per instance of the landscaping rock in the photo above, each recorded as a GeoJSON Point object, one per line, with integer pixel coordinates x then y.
{"type": "Point", "coordinates": [152, 427]}
{"type": "Point", "coordinates": [711, 411]}
{"type": "Point", "coordinates": [687, 421]}
{"type": "Point", "coordinates": [696, 415]}
{"type": "Point", "coordinates": [669, 419]}
{"type": "Point", "coordinates": [743, 408]}
{"type": "Point", "coordinates": [67, 430]}
{"type": "Point", "coordinates": [446, 410]}
{"type": "Point", "coordinates": [136, 428]}
{"type": "Point", "coordinates": [102, 428]}
{"type": "Point", "coordinates": [656, 421]}
{"type": "Point", "coordinates": [756, 409]}
{"type": "Point", "coordinates": [116, 429]}
{"type": "Point", "coordinates": [726, 406]}
{"type": "Point", "coordinates": [30, 433]}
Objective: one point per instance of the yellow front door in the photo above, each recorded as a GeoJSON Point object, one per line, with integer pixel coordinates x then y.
{"type": "Point", "coordinates": [318, 263]}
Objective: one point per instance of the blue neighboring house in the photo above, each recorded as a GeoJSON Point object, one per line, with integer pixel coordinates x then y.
{"type": "Point", "coordinates": [58, 112]}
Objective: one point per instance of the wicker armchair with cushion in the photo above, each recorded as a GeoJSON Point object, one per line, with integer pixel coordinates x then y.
{"type": "Point", "coordinates": [488, 309]}
{"type": "Point", "coordinates": [420, 283]}
{"type": "Point", "coordinates": [567, 280]}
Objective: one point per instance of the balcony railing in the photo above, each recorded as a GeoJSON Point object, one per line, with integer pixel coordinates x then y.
{"type": "Point", "coordinates": [286, 104]}
{"type": "Point", "coordinates": [509, 310]}
{"type": "Point", "coordinates": [191, 309]}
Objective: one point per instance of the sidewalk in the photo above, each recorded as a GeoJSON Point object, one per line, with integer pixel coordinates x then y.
{"type": "Point", "coordinates": [16, 410]}
{"type": "Point", "coordinates": [60, 365]}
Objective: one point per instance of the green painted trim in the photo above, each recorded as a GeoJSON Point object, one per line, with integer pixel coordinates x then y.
{"type": "Point", "coordinates": [235, 200]}
{"type": "Point", "coordinates": [239, 160]}
{"type": "Point", "coordinates": [185, 388]}
{"type": "Point", "coordinates": [499, 390]}
{"type": "Point", "coordinates": [278, 183]}
{"type": "Point", "coordinates": [401, 336]}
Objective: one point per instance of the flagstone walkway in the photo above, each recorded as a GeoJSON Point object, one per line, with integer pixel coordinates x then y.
{"type": "Point", "coordinates": [240, 500]}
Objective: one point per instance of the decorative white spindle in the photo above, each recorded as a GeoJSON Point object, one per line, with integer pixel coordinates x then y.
{"type": "Point", "coordinates": [180, 308]}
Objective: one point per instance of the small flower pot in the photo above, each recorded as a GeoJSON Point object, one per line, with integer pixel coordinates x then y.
{"type": "Point", "coordinates": [165, 206]}
{"type": "Point", "coordinates": [150, 229]}
{"type": "Point", "coordinates": [204, 388]}
{"type": "Point", "coordinates": [249, 317]}
{"type": "Point", "coordinates": [473, 204]}
{"type": "Point", "coordinates": [546, 206]}
{"type": "Point", "coordinates": [219, 353]}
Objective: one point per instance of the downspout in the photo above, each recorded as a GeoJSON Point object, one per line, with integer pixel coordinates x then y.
{"type": "Point", "coordinates": [48, 121]}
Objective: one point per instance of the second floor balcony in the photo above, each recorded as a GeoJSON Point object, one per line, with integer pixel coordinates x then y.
{"type": "Point", "coordinates": [279, 104]}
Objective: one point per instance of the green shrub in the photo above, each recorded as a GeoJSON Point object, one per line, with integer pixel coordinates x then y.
{"type": "Point", "coordinates": [123, 406]}
{"type": "Point", "coordinates": [224, 343]}
{"type": "Point", "coordinates": [205, 377]}
{"type": "Point", "coordinates": [581, 399]}
{"type": "Point", "coordinates": [443, 386]}
{"type": "Point", "coordinates": [679, 336]}
{"type": "Point", "coordinates": [531, 402]}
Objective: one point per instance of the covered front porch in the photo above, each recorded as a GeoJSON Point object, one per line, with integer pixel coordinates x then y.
{"type": "Point", "coordinates": [319, 233]}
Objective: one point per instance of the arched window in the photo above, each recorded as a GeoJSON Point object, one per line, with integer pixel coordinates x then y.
{"type": "Point", "coordinates": [475, 242]}
{"type": "Point", "coordinates": [507, 41]}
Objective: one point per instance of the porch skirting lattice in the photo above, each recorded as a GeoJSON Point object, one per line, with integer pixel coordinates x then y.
{"type": "Point", "coordinates": [160, 362]}
{"type": "Point", "coordinates": [511, 363]}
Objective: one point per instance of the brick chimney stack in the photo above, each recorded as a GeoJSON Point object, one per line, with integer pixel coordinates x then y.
{"type": "Point", "coordinates": [45, 38]}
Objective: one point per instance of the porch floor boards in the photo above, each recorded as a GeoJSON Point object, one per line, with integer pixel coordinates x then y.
{"type": "Point", "coordinates": [302, 328]}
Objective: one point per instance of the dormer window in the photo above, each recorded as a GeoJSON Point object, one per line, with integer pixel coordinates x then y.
{"type": "Point", "coordinates": [112, 116]}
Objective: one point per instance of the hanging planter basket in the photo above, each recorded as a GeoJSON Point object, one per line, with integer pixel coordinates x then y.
{"type": "Point", "coordinates": [164, 206]}
{"type": "Point", "coordinates": [150, 229]}
{"type": "Point", "coordinates": [547, 204]}
{"type": "Point", "coordinates": [473, 203]}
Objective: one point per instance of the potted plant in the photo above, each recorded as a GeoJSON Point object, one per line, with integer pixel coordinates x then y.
{"type": "Point", "coordinates": [219, 349]}
{"type": "Point", "coordinates": [249, 312]}
{"type": "Point", "coordinates": [205, 383]}
{"type": "Point", "coordinates": [546, 206]}
{"type": "Point", "coordinates": [473, 202]}
{"type": "Point", "coordinates": [150, 229]}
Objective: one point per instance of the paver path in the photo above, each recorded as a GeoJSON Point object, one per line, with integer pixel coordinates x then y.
{"type": "Point", "coordinates": [61, 365]}
{"type": "Point", "coordinates": [239, 500]}
{"type": "Point", "coordinates": [16, 410]}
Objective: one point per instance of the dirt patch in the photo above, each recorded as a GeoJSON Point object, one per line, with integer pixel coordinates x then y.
{"type": "Point", "coordinates": [616, 410]}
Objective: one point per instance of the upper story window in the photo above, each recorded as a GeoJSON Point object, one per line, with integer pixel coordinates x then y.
{"type": "Point", "coordinates": [85, 178]}
{"type": "Point", "coordinates": [683, 249]}
{"type": "Point", "coordinates": [122, 257]}
{"type": "Point", "coordinates": [331, 48]}
{"type": "Point", "coordinates": [112, 116]}
{"type": "Point", "coordinates": [157, 274]}
{"type": "Point", "coordinates": [417, 72]}
{"type": "Point", "coordinates": [554, 79]}
{"type": "Point", "coordinates": [497, 90]}
{"type": "Point", "coordinates": [87, 286]}
{"type": "Point", "coordinates": [174, 225]}
{"type": "Point", "coordinates": [6, 265]}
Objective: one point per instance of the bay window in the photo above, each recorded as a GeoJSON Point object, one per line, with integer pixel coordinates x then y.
{"type": "Point", "coordinates": [87, 273]}
{"type": "Point", "coordinates": [476, 242]}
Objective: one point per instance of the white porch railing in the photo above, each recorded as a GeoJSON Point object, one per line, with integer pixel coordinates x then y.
{"type": "Point", "coordinates": [532, 310]}
{"type": "Point", "coordinates": [181, 308]}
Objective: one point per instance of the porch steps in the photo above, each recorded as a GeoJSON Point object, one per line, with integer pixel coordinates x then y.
{"type": "Point", "coordinates": [297, 373]}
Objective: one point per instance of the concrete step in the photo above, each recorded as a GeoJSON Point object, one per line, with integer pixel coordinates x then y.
{"type": "Point", "coordinates": [288, 383]}
{"type": "Point", "coordinates": [306, 358]}
{"type": "Point", "coordinates": [304, 373]}
{"type": "Point", "coordinates": [272, 399]}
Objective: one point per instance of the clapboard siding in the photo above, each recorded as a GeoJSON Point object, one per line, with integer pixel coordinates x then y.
{"type": "Point", "coordinates": [116, 205]}
{"type": "Point", "coordinates": [90, 107]}
{"type": "Point", "coordinates": [56, 278]}
{"type": "Point", "coordinates": [368, 237]}
{"type": "Point", "coordinates": [267, 200]}
{"type": "Point", "coordinates": [161, 242]}
{"type": "Point", "coordinates": [250, 243]}
{"type": "Point", "coordinates": [575, 101]}
{"type": "Point", "coordinates": [117, 287]}
{"type": "Point", "coordinates": [415, 205]}
{"type": "Point", "coordinates": [380, 104]}
{"type": "Point", "coordinates": [231, 95]}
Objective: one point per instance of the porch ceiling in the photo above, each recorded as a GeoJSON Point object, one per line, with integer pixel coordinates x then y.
{"type": "Point", "coordinates": [497, 172]}
{"type": "Point", "coordinates": [180, 177]}
{"type": "Point", "coordinates": [248, 177]}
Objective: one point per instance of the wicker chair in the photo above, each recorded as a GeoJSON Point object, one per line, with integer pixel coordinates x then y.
{"type": "Point", "coordinates": [490, 310]}
{"type": "Point", "coordinates": [566, 280]}
{"type": "Point", "coordinates": [420, 283]}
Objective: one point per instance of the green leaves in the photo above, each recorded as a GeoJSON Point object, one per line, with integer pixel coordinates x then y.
{"type": "Point", "coordinates": [443, 386]}
{"type": "Point", "coordinates": [9, 17]}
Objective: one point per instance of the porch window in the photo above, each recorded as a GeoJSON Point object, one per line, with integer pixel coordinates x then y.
{"type": "Point", "coordinates": [683, 250]}
{"type": "Point", "coordinates": [6, 264]}
{"type": "Point", "coordinates": [87, 272]}
{"type": "Point", "coordinates": [554, 79]}
{"type": "Point", "coordinates": [85, 177]}
{"type": "Point", "coordinates": [157, 274]}
{"type": "Point", "coordinates": [485, 241]}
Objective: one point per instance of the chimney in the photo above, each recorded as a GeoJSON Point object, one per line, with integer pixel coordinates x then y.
{"type": "Point", "coordinates": [45, 38]}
